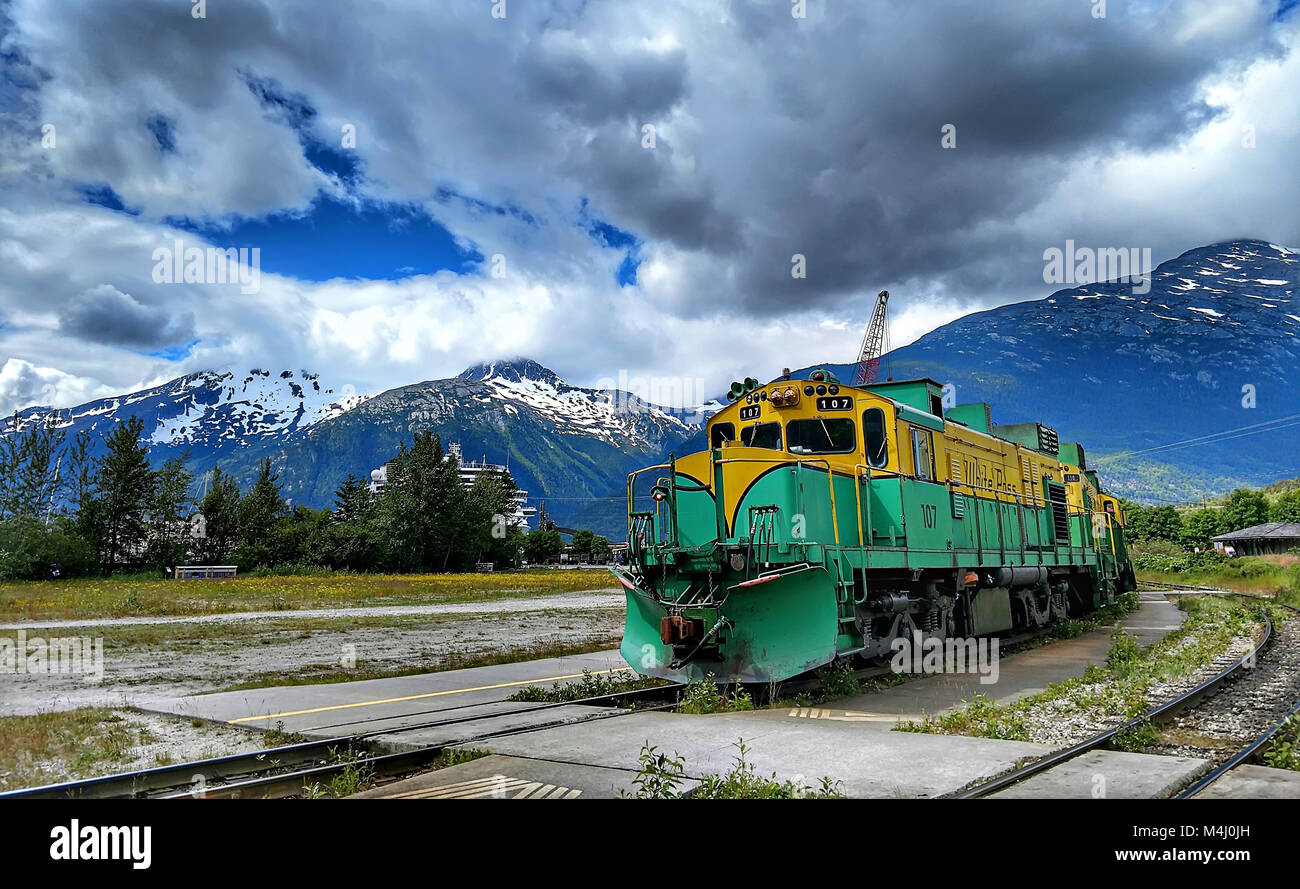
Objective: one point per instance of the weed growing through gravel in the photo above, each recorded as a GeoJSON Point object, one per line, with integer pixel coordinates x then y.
{"type": "Point", "coordinates": [591, 685]}
{"type": "Point", "coordinates": [839, 680]}
{"type": "Point", "coordinates": [706, 696]}
{"type": "Point", "coordinates": [276, 736]}
{"type": "Point", "coordinates": [1284, 750]}
{"type": "Point", "coordinates": [661, 775]}
{"type": "Point", "coordinates": [454, 756]}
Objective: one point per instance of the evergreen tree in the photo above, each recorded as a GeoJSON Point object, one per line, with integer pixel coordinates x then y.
{"type": "Point", "coordinates": [352, 500]}
{"type": "Point", "coordinates": [217, 524]}
{"type": "Point", "coordinates": [30, 464]}
{"type": "Point", "coordinates": [124, 485]}
{"type": "Point", "coordinates": [483, 529]}
{"type": "Point", "coordinates": [421, 506]}
{"type": "Point", "coordinates": [170, 505]}
{"type": "Point", "coordinates": [259, 511]}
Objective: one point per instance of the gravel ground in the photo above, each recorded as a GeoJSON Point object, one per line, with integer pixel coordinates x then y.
{"type": "Point", "coordinates": [1221, 725]}
{"type": "Point", "coordinates": [145, 662]}
{"type": "Point", "coordinates": [1057, 722]}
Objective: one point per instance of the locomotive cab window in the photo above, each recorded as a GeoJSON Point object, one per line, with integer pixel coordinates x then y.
{"type": "Point", "coordinates": [721, 432]}
{"type": "Point", "coordinates": [762, 435]}
{"type": "Point", "coordinates": [835, 436]}
{"type": "Point", "coordinates": [922, 453]}
{"type": "Point", "coordinates": [875, 439]}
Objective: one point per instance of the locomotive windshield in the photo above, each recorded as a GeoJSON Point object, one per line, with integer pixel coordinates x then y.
{"type": "Point", "coordinates": [873, 430]}
{"type": "Point", "coordinates": [836, 436]}
{"type": "Point", "coordinates": [721, 432]}
{"type": "Point", "coordinates": [762, 435]}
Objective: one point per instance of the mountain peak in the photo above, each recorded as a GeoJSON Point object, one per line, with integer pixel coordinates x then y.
{"type": "Point", "coordinates": [515, 370]}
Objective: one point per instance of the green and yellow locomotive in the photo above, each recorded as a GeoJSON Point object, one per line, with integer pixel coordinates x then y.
{"type": "Point", "coordinates": [826, 521]}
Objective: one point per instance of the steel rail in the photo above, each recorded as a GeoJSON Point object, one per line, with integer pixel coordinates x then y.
{"type": "Point", "coordinates": [153, 781]}
{"type": "Point", "coordinates": [401, 762]}
{"type": "Point", "coordinates": [1237, 758]}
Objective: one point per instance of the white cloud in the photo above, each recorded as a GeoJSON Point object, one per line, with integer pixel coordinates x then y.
{"type": "Point", "coordinates": [774, 136]}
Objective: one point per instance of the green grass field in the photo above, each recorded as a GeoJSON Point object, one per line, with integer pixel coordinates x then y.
{"type": "Point", "coordinates": [1277, 576]}
{"type": "Point", "coordinates": [130, 597]}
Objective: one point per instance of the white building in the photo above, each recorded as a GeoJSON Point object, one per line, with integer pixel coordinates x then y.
{"type": "Point", "coordinates": [469, 471]}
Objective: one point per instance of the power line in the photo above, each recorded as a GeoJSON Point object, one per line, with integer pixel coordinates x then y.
{"type": "Point", "coordinates": [1216, 437]}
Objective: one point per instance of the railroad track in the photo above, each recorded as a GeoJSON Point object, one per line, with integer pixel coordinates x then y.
{"type": "Point", "coordinates": [287, 770]}
{"type": "Point", "coordinates": [1238, 671]}
{"type": "Point", "coordinates": [1247, 714]}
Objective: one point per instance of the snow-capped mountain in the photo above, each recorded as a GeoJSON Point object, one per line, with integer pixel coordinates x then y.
{"type": "Point", "coordinates": [564, 444]}
{"type": "Point", "coordinates": [204, 413]}
{"type": "Point", "coordinates": [611, 415]}
{"type": "Point", "coordinates": [1177, 393]}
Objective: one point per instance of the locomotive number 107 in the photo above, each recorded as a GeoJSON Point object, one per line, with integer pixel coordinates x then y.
{"type": "Point", "coordinates": [835, 403]}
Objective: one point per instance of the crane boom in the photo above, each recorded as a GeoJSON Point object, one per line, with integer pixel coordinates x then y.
{"type": "Point", "coordinates": [873, 344]}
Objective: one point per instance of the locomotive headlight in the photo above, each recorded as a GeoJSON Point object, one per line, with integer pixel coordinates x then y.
{"type": "Point", "coordinates": [776, 399]}
{"type": "Point", "coordinates": [791, 395]}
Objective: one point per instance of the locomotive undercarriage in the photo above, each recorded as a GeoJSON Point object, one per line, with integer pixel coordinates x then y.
{"type": "Point", "coordinates": [944, 605]}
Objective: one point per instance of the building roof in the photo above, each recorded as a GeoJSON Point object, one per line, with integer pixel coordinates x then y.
{"type": "Point", "coordinates": [1270, 530]}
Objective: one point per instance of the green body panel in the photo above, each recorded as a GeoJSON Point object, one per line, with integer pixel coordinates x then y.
{"type": "Point", "coordinates": [977, 415]}
{"type": "Point", "coordinates": [779, 629]}
{"type": "Point", "coordinates": [696, 519]}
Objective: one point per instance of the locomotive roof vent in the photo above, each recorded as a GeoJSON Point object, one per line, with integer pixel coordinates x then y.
{"type": "Point", "coordinates": [1031, 435]}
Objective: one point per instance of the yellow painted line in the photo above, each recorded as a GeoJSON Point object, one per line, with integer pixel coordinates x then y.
{"type": "Point", "coordinates": [431, 694]}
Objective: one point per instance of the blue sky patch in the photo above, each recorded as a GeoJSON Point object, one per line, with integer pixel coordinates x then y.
{"type": "Point", "coordinates": [102, 195]}
{"type": "Point", "coordinates": [296, 112]}
{"type": "Point", "coordinates": [608, 235]}
{"type": "Point", "coordinates": [338, 239]}
{"type": "Point", "coordinates": [173, 353]}
{"type": "Point", "coordinates": [164, 133]}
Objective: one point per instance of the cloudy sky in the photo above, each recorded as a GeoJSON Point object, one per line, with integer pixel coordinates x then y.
{"type": "Point", "coordinates": [603, 186]}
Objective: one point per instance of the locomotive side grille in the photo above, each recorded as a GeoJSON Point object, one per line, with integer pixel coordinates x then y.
{"type": "Point", "coordinates": [1060, 512]}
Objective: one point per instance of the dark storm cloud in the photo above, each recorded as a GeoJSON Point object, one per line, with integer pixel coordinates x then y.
{"type": "Point", "coordinates": [560, 72]}
{"type": "Point", "coordinates": [106, 315]}
{"type": "Point", "coordinates": [844, 164]}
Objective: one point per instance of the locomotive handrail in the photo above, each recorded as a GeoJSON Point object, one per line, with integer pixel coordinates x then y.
{"type": "Point", "coordinates": [631, 480]}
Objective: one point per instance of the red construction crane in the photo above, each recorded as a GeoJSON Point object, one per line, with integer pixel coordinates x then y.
{"type": "Point", "coordinates": [874, 343]}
